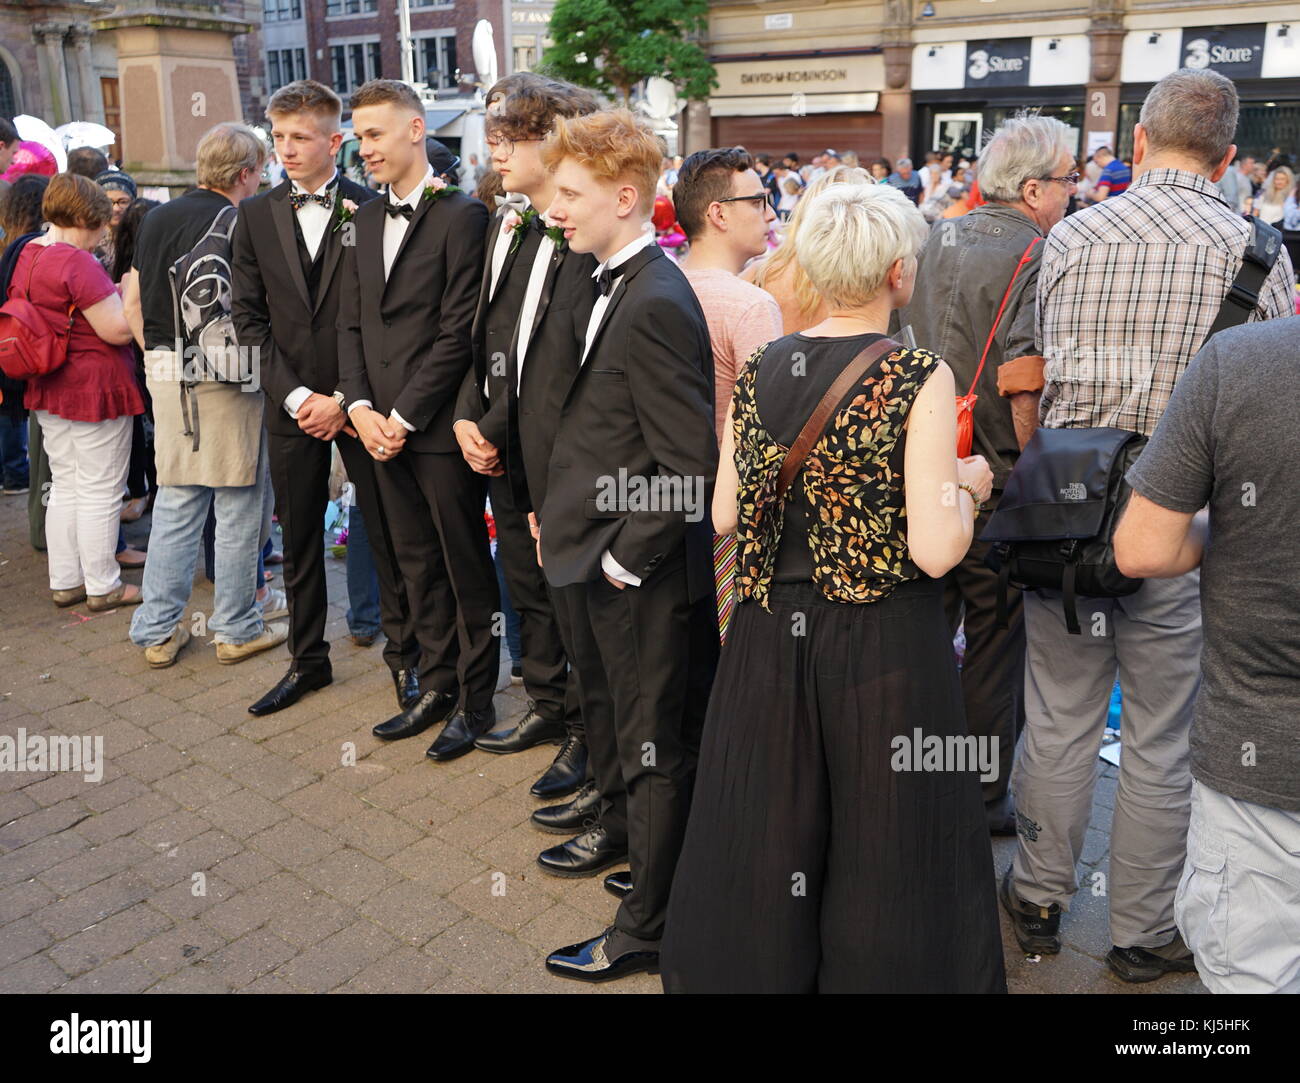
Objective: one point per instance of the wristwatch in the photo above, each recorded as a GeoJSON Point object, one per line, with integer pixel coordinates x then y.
{"type": "Point", "coordinates": [338, 397]}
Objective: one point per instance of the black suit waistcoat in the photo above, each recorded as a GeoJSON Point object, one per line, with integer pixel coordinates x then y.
{"type": "Point", "coordinates": [285, 303]}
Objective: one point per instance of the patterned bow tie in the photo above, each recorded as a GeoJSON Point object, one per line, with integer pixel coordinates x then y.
{"type": "Point", "coordinates": [299, 199]}
{"type": "Point", "coordinates": [605, 280]}
{"type": "Point", "coordinates": [394, 209]}
{"type": "Point", "coordinates": [511, 199]}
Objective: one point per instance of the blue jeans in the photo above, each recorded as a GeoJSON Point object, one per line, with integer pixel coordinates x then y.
{"type": "Point", "coordinates": [363, 583]}
{"type": "Point", "coordinates": [13, 451]}
{"type": "Point", "coordinates": [175, 541]}
{"type": "Point", "coordinates": [514, 643]}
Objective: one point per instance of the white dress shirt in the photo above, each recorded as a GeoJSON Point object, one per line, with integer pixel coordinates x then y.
{"type": "Point", "coordinates": [608, 564]}
{"type": "Point", "coordinates": [395, 226]}
{"type": "Point", "coordinates": [313, 220]}
{"type": "Point", "coordinates": [602, 302]}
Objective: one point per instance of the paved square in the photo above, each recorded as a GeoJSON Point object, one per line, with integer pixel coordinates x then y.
{"type": "Point", "coordinates": [296, 852]}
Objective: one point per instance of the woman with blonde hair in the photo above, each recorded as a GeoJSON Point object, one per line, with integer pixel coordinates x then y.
{"type": "Point", "coordinates": [779, 272]}
{"type": "Point", "coordinates": [822, 854]}
{"type": "Point", "coordinates": [1270, 204]}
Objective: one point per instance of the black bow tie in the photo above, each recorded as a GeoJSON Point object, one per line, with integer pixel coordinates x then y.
{"type": "Point", "coordinates": [394, 209]}
{"type": "Point", "coordinates": [538, 223]}
{"type": "Point", "coordinates": [605, 280]}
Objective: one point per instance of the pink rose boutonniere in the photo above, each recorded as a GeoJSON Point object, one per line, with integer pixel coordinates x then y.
{"type": "Point", "coordinates": [346, 209]}
{"type": "Point", "coordinates": [437, 188]}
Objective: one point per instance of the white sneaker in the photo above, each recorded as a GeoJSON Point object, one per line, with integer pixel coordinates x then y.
{"type": "Point", "coordinates": [276, 605]}
{"type": "Point", "coordinates": [272, 636]}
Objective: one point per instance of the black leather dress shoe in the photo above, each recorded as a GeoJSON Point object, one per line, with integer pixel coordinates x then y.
{"type": "Point", "coordinates": [406, 682]}
{"type": "Point", "coordinates": [458, 735]}
{"type": "Point", "coordinates": [606, 957]}
{"type": "Point", "coordinates": [566, 773]}
{"type": "Point", "coordinates": [572, 816]}
{"type": "Point", "coordinates": [532, 730]}
{"type": "Point", "coordinates": [292, 687]}
{"type": "Point", "coordinates": [430, 709]}
{"type": "Point", "coordinates": [619, 884]}
{"type": "Point", "coordinates": [585, 855]}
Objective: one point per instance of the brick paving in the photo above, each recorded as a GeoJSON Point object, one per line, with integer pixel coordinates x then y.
{"type": "Point", "coordinates": [226, 853]}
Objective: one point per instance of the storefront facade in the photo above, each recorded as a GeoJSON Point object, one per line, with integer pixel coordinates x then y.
{"type": "Point", "coordinates": [1262, 59]}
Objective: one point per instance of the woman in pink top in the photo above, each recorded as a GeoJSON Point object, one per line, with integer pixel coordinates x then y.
{"type": "Point", "coordinates": [85, 406]}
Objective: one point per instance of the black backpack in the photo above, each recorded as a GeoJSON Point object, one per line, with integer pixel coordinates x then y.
{"type": "Point", "coordinates": [1055, 524]}
{"type": "Point", "coordinates": [201, 311]}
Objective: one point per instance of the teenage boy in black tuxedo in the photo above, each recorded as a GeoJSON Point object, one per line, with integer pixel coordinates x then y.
{"type": "Point", "coordinates": [410, 289]}
{"type": "Point", "coordinates": [625, 533]}
{"type": "Point", "coordinates": [502, 398]}
{"type": "Point", "coordinates": [287, 248]}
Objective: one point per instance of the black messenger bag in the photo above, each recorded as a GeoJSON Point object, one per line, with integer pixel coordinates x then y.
{"type": "Point", "coordinates": [1055, 524]}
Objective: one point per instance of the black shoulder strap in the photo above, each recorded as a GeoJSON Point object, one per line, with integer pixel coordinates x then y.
{"type": "Point", "coordinates": [1243, 295]}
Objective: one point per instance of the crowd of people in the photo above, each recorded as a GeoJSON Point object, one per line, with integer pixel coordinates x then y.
{"type": "Point", "coordinates": [732, 507]}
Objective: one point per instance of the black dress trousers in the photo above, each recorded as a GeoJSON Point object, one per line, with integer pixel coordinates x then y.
{"type": "Point", "coordinates": [435, 505]}
{"type": "Point", "coordinates": [300, 467]}
{"type": "Point", "coordinates": [632, 651]}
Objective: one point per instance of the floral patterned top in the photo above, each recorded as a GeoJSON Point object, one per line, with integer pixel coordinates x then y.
{"type": "Point", "coordinates": [852, 479]}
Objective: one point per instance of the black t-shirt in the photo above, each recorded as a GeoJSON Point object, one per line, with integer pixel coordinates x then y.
{"type": "Point", "coordinates": [167, 233]}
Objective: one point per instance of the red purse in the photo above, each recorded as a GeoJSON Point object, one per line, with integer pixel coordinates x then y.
{"type": "Point", "coordinates": [966, 402]}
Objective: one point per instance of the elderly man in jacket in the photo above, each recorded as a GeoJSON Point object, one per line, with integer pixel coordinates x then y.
{"type": "Point", "coordinates": [964, 278]}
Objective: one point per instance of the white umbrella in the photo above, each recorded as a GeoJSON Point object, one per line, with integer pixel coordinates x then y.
{"type": "Point", "coordinates": [85, 133]}
{"type": "Point", "coordinates": [35, 130]}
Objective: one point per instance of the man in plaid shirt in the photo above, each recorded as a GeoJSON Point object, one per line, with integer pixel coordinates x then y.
{"type": "Point", "coordinates": [1127, 291]}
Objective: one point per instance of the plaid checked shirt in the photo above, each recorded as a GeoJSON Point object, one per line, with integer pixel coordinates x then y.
{"type": "Point", "coordinates": [1127, 291]}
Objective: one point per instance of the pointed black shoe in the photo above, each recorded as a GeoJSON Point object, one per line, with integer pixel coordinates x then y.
{"type": "Point", "coordinates": [585, 855]}
{"type": "Point", "coordinates": [291, 688]}
{"type": "Point", "coordinates": [572, 816]}
{"type": "Point", "coordinates": [567, 772]}
{"type": "Point", "coordinates": [458, 735]}
{"type": "Point", "coordinates": [606, 957]}
{"type": "Point", "coordinates": [430, 709]}
{"type": "Point", "coordinates": [619, 884]}
{"type": "Point", "coordinates": [532, 730]}
{"type": "Point", "coordinates": [406, 683]}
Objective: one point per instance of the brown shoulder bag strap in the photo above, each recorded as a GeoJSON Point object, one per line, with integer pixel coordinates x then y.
{"type": "Point", "coordinates": [816, 424]}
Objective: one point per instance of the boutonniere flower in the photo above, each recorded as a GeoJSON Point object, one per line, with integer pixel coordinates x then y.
{"type": "Point", "coordinates": [437, 188]}
{"type": "Point", "coordinates": [519, 223]}
{"type": "Point", "coordinates": [556, 234]}
{"type": "Point", "coordinates": [346, 208]}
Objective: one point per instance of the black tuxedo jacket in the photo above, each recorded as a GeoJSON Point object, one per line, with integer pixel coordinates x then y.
{"type": "Point", "coordinates": [554, 349]}
{"type": "Point", "coordinates": [405, 344]}
{"type": "Point", "coordinates": [640, 407]}
{"type": "Point", "coordinates": [272, 308]}
{"type": "Point", "coordinates": [490, 414]}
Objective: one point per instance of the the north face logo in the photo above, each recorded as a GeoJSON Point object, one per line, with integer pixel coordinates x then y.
{"type": "Point", "coordinates": [1076, 490]}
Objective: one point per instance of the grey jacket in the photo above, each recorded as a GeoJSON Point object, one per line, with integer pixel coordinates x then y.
{"type": "Point", "coordinates": [962, 275]}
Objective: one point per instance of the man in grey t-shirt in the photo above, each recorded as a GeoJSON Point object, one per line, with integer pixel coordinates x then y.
{"type": "Point", "coordinates": [1227, 440]}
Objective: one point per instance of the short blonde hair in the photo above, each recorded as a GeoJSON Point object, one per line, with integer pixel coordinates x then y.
{"type": "Point", "coordinates": [225, 151]}
{"type": "Point", "coordinates": [783, 261]}
{"type": "Point", "coordinates": [615, 145]}
{"type": "Point", "coordinates": [852, 234]}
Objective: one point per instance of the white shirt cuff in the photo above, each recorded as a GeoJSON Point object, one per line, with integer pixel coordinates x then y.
{"type": "Point", "coordinates": [615, 570]}
{"type": "Point", "coordinates": [403, 422]}
{"type": "Point", "coordinates": [360, 402]}
{"type": "Point", "coordinates": [294, 400]}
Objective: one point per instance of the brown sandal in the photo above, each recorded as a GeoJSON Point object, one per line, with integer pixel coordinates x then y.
{"type": "Point", "coordinates": [102, 603]}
